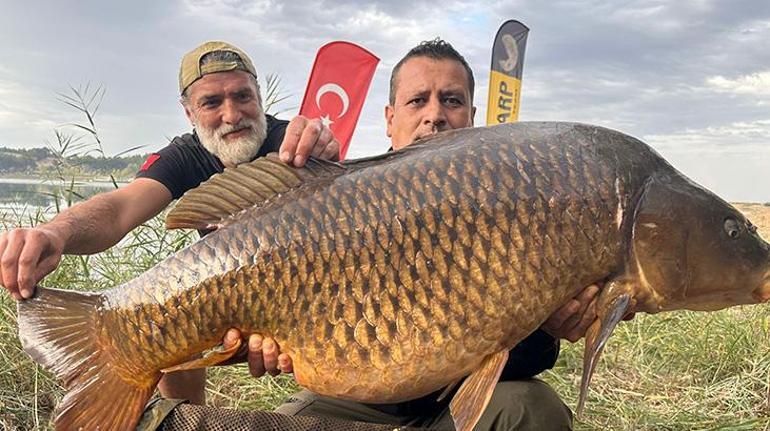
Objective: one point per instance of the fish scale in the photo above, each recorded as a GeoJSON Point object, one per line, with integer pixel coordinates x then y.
{"type": "Point", "coordinates": [388, 278]}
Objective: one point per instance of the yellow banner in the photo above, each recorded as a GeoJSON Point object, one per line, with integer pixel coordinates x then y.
{"type": "Point", "coordinates": [504, 96]}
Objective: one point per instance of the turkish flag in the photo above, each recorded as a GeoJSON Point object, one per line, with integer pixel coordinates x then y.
{"type": "Point", "coordinates": [337, 88]}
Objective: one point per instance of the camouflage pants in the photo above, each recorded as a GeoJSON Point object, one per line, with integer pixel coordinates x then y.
{"type": "Point", "coordinates": [515, 405]}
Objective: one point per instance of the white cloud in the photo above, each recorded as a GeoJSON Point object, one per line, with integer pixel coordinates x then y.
{"type": "Point", "coordinates": [22, 106]}
{"type": "Point", "coordinates": [9, 88]}
{"type": "Point", "coordinates": [690, 77]}
{"type": "Point", "coordinates": [752, 137]}
{"type": "Point", "coordinates": [752, 31]}
{"type": "Point", "coordinates": [755, 84]}
{"type": "Point", "coordinates": [730, 160]}
{"type": "Point", "coordinates": [639, 13]}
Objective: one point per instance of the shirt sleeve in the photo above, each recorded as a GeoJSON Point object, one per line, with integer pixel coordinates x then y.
{"type": "Point", "coordinates": [167, 166]}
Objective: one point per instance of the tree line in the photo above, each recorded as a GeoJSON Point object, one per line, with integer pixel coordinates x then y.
{"type": "Point", "coordinates": [35, 161]}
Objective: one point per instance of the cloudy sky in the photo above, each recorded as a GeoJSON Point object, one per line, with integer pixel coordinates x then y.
{"type": "Point", "coordinates": [690, 77]}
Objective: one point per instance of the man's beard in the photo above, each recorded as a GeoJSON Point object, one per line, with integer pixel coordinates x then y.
{"type": "Point", "coordinates": [235, 151]}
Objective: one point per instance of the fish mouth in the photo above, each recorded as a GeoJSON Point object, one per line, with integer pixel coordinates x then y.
{"type": "Point", "coordinates": [761, 295]}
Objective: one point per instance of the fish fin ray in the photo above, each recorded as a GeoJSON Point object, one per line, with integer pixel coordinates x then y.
{"type": "Point", "coordinates": [59, 330]}
{"type": "Point", "coordinates": [258, 183]}
{"type": "Point", "coordinates": [93, 401]}
{"type": "Point", "coordinates": [473, 396]}
{"type": "Point", "coordinates": [212, 358]}
{"type": "Point", "coordinates": [248, 185]}
{"type": "Point", "coordinates": [596, 337]}
{"type": "Point", "coordinates": [448, 390]}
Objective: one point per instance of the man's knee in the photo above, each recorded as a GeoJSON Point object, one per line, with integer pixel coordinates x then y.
{"type": "Point", "coordinates": [306, 403]}
{"type": "Point", "coordinates": [525, 405]}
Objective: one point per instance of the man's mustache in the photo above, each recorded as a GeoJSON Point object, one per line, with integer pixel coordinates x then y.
{"type": "Point", "coordinates": [226, 129]}
{"type": "Point", "coordinates": [425, 132]}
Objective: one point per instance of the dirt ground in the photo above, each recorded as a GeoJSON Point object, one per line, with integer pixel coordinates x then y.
{"type": "Point", "coordinates": [759, 214]}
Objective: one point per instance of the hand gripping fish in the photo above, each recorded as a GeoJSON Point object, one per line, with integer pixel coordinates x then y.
{"type": "Point", "coordinates": [390, 277]}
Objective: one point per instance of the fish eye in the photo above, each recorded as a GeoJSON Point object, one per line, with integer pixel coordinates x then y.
{"type": "Point", "coordinates": [732, 228]}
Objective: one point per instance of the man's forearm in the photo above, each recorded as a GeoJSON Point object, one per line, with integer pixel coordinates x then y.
{"type": "Point", "coordinates": [189, 385]}
{"type": "Point", "coordinates": [88, 227]}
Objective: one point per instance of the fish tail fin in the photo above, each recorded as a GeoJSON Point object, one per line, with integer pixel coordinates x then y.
{"type": "Point", "coordinates": [60, 330]}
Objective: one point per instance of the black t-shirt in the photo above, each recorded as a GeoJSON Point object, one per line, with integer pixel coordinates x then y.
{"type": "Point", "coordinates": [184, 163]}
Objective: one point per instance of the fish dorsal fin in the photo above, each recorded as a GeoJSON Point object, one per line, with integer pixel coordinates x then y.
{"type": "Point", "coordinates": [473, 396]}
{"type": "Point", "coordinates": [245, 186]}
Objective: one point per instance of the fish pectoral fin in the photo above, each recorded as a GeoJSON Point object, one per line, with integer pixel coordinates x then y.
{"type": "Point", "coordinates": [473, 396]}
{"type": "Point", "coordinates": [210, 359]}
{"type": "Point", "coordinates": [597, 336]}
{"type": "Point", "coordinates": [448, 390]}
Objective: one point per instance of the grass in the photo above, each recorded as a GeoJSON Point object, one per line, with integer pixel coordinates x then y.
{"type": "Point", "coordinates": [677, 371]}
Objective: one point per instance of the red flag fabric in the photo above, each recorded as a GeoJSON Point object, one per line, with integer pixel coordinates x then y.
{"type": "Point", "coordinates": [337, 88]}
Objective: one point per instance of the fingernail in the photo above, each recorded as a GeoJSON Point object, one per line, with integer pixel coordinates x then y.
{"type": "Point", "coordinates": [285, 156]}
{"type": "Point", "coordinates": [255, 343]}
{"type": "Point", "coordinates": [26, 293]}
{"type": "Point", "coordinates": [230, 337]}
{"type": "Point", "coordinates": [299, 161]}
{"type": "Point", "coordinates": [268, 345]}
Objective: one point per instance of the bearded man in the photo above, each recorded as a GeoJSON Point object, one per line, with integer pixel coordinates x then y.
{"type": "Point", "coordinates": [220, 96]}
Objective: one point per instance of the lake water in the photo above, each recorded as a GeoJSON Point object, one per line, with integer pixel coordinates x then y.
{"type": "Point", "coordinates": [28, 195]}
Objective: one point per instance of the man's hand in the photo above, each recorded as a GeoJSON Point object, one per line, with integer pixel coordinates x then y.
{"type": "Point", "coordinates": [26, 256]}
{"type": "Point", "coordinates": [263, 354]}
{"type": "Point", "coordinates": [305, 138]}
{"type": "Point", "coordinates": [572, 320]}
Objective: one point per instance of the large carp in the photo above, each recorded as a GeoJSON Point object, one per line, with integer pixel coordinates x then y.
{"type": "Point", "coordinates": [390, 277]}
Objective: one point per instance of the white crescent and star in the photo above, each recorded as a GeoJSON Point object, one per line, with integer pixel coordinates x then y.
{"type": "Point", "coordinates": [331, 87]}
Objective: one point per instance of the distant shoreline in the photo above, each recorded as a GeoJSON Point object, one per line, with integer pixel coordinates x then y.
{"type": "Point", "coordinates": [82, 181]}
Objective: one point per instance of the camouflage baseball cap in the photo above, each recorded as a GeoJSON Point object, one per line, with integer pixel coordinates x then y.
{"type": "Point", "coordinates": [191, 69]}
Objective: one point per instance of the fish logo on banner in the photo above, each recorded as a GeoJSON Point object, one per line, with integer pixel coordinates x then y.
{"type": "Point", "coordinates": [505, 76]}
{"type": "Point", "coordinates": [337, 88]}
{"type": "Point", "coordinates": [509, 43]}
